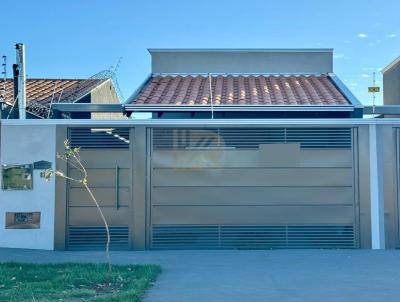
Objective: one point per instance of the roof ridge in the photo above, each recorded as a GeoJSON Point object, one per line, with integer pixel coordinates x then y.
{"type": "Point", "coordinates": [214, 74]}
{"type": "Point", "coordinates": [56, 79]}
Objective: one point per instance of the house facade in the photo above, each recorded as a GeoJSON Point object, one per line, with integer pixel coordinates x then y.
{"type": "Point", "coordinates": [247, 149]}
{"type": "Point", "coordinates": [391, 83]}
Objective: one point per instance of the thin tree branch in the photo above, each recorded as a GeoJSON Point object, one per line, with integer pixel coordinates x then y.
{"type": "Point", "coordinates": [105, 224]}
{"type": "Point", "coordinates": [69, 178]}
{"type": "Point", "coordinates": [73, 158]}
{"type": "Point", "coordinates": [69, 162]}
{"type": "Point", "coordinates": [79, 162]}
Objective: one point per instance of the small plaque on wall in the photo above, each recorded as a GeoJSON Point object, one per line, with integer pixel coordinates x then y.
{"type": "Point", "coordinates": [22, 220]}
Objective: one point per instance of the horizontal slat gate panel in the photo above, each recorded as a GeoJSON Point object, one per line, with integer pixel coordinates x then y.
{"type": "Point", "coordinates": [246, 158]}
{"type": "Point", "coordinates": [95, 237]}
{"type": "Point", "coordinates": [79, 197]}
{"type": "Point", "coordinates": [90, 215]}
{"type": "Point", "coordinates": [105, 158]}
{"type": "Point", "coordinates": [252, 214]}
{"type": "Point", "coordinates": [200, 196]}
{"type": "Point", "coordinates": [102, 177]}
{"type": "Point", "coordinates": [95, 138]}
{"type": "Point", "coordinates": [253, 177]}
{"type": "Point", "coordinates": [251, 138]}
{"type": "Point", "coordinates": [252, 188]}
{"type": "Point", "coordinates": [252, 236]}
{"type": "Point", "coordinates": [106, 155]}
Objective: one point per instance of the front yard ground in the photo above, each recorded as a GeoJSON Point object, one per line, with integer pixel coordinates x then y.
{"type": "Point", "coordinates": [74, 282]}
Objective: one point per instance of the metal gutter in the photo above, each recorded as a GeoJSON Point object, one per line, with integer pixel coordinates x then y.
{"type": "Point", "coordinates": [205, 122]}
{"type": "Point", "coordinates": [87, 107]}
{"type": "Point", "coordinates": [385, 109]}
{"type": "Point", "coordinates": [240, 108]}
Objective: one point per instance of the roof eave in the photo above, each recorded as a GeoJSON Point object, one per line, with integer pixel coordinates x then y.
{"type": "Point", "coordinates": [134, 95]}
{"type": "Point", "coordinates": [344, 90]}
{"type": "Point", "coordinates": [90, 91]}
{"type": "Point", "coordinates": [391, 65]}
{"type": "Point", "coordinates": [231, 108]}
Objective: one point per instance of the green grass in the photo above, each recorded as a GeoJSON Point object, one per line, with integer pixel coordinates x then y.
{"type": "Point", "coordinates": [74, 282]}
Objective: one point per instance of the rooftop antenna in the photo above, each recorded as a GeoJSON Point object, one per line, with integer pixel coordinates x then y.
{"type": "Point", "coordinates": [4, 89]}
{"type": "Point", "coordinates": [52, 98]}
{"type": "Point", "coordinates": [211, 96]}
{"type": "Point", "coordinates": [373, 94]}
{"type": "Point", "coordinates": [373, 89]}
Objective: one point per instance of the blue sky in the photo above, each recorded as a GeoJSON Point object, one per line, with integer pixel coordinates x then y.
{"type": "Point", "coordinates": [76, 39]}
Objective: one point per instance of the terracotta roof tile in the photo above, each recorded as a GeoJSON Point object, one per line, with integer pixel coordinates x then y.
{"type": "Point", "coordinates": [241, 90]}
{"type": "Point", "coordinates": [39, 92]}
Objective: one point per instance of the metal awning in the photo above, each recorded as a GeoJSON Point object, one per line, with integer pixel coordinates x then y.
{"type": "Point", "coordinates": [130, 108]}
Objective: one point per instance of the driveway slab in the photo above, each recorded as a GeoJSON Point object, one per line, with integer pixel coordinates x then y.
{"type": "Point", "coordinates": [276, 275]}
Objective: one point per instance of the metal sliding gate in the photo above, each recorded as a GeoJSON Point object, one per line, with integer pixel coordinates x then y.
{"type": "Point", "coordinates": [106, 154]}
{"type": "Point", "coordinates": [252, 188]}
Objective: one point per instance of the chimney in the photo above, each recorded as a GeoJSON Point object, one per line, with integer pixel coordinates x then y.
{"type": "Point", "coordinates": [21, 80]}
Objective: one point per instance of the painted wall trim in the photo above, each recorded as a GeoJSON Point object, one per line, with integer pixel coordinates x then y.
{"type": "Point", "coordinates": [205, 122]}
{"type": "Point", "coordinates": [205, 50]}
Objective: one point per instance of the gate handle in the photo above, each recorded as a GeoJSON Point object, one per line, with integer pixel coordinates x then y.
{"type": "Point", "coordinates": [116, 187]}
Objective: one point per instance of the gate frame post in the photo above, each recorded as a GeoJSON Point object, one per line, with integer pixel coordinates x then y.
{"type": "Point", "coordinates": [61, 204]}
{"type": "Point", "coordinates": [139, 156]}
{"type": "Point", "coordinates": [376, 189]}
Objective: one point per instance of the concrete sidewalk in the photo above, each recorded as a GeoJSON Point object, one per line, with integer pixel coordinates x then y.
{"type": "Point", "coordinates": [277, 275]}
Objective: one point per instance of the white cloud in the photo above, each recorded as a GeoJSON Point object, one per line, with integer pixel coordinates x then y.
{"type": "Point", "coordinates": [364, 75]}
{"type": "Point", "coordinates": [338, 56]}
{"type": "Point", "coordinates": [391, 36]}
{"type": "Point", "coordinates": [362, 36]}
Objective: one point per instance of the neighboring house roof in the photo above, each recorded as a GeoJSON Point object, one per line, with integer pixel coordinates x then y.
{"type": "Point", "coordinates": [391, 64]}
{"type": "Point", "coordinates": [41, 92]}
{"type": "Point", "coordinates": [193, 90]}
